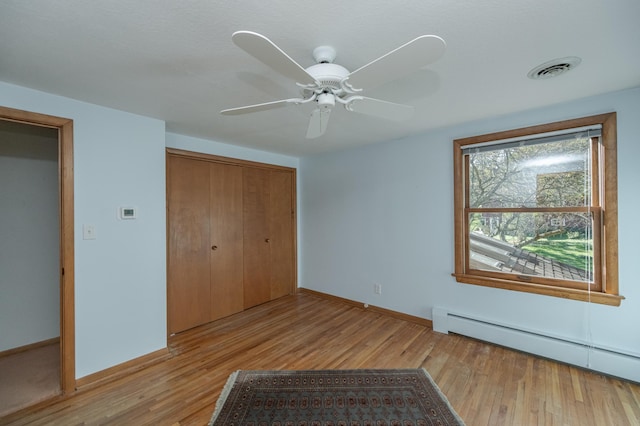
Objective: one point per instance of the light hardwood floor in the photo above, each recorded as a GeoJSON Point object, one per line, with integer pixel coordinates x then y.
{"type": "Point", "coordinates": [486, 384]}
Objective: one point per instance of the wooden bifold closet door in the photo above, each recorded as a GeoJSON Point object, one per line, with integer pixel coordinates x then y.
{"type": "Point", "coordinates": [226, 240]}
{"type": "Point", "coordinates": [188, 240]}
{"type": "Point", "coordinates": [231, 237]}
{"type": "Point", "coordinates": [268, 235]}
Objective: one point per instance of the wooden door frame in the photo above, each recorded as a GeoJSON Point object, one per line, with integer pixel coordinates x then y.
{"type": "Point", "coordinates": [65, 183]}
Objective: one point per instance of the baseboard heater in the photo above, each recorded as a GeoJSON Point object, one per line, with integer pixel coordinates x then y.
{"type": "Point", "coordinates": [584, 354]}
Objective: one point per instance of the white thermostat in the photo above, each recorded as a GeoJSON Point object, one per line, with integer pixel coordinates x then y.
{"type": "Point", "coordinates": [128, 212]}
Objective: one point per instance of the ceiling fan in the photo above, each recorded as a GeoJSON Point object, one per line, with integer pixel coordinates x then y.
{"type": "Point", "coordinates": [328, 84]}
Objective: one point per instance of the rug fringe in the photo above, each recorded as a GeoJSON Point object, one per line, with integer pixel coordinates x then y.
{"type": "Point", "coordinates": [223, 396]}
{"type": "Point", "coordinates": [443, 396]}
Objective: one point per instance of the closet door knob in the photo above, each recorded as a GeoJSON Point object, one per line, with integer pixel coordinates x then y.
{"type": "Point", "coordinates": [266, 240]}
{"type": "Point", "coordinates": [214, 247]}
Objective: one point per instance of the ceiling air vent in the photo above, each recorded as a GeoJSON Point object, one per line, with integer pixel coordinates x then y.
{"type": "Point", "coordinates": [554, 68]}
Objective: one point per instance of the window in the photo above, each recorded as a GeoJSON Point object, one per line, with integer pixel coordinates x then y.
{"type": "Point", "coordinates": [536, 210]}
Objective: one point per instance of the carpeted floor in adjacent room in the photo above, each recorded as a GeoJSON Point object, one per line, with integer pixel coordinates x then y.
{"type": "Point", "coordinates": [29, 377]}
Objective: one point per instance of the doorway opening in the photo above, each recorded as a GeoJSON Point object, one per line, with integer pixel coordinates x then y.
{"type": "Point", "coordinates": [39, 197]}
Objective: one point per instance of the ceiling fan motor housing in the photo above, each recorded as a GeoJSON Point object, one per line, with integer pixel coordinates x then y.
{"type": "Point", "coordinates": [328, 75]}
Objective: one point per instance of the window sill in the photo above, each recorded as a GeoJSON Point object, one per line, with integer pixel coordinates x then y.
{"type": "Point", "coordinates": [565, 293]}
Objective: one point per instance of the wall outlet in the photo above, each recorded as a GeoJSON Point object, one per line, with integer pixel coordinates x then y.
{"type": "Point", "coordinates": [377, 288]}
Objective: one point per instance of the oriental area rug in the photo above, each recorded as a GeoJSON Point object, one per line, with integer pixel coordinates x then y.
{"type": "Point", "coordinates": [404, 397]}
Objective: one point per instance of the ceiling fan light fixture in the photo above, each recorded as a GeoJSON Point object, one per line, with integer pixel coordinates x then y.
{"type": "Point", "coordinates": [554, 68]}
{"type": "Point", "coordinates": [326, 100]}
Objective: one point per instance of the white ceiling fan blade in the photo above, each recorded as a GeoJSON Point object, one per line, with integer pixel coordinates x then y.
{"type": "Point", "coordinates": [268, 53]}
{"type": "Point", "coordinates": [318, 122]}
{"type": "Point", "coordinates": [259, 107]}
{"type": "Point", "coordinates": [400, 62]}
{"type": "Point", "coordinates": [379, 108]}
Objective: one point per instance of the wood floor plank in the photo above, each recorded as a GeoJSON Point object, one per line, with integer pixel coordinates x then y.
{"type": "Point", "coordinates": [486, 384]}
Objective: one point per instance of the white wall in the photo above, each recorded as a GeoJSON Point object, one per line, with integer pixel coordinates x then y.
{"type": "Point", "coordinates": [384, 214]}
{"type": "Point", "coordinates": [377, 214]}
{"type": "Point", "coordinates": [120, 277]}
{"type": "Point", "coordinates": [29, 235]}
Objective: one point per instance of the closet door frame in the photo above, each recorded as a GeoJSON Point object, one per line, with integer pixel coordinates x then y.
{"type": "Point", "coordinates": [67, 256]}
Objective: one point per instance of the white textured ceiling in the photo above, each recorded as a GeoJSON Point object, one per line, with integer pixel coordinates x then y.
{"type": "Point", "coordinates": [175, 61]}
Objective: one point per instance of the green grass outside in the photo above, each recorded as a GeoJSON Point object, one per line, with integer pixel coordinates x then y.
{"type": "Point", "coordinates": [574, 252]}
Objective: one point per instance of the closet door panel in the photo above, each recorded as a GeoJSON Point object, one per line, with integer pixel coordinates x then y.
{"type": "Point", "coordinates": [227, 295]}
{"type": "Point", "coordinates": [188, 270]}
{"type": "Point", "coordinates": [282, 236]}
{"type": "Point", "coordinates": [257, 286]}
{"type": "Point", "coordinates": [231, 237]}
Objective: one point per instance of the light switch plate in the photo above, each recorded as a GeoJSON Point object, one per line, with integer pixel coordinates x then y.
{"type": "Point", "coordinates": [88, 232]}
